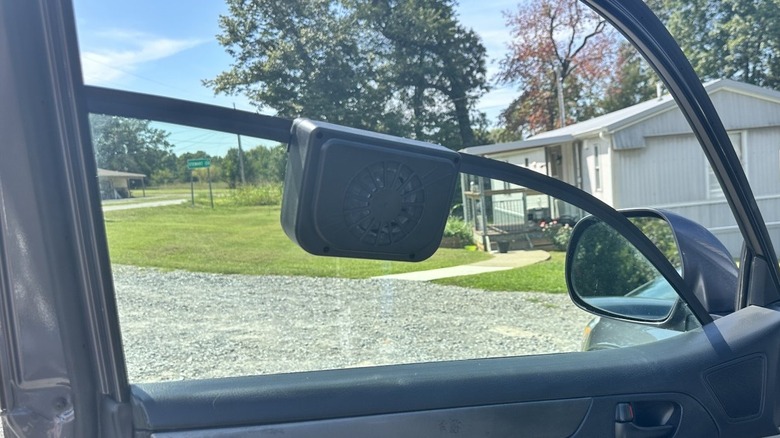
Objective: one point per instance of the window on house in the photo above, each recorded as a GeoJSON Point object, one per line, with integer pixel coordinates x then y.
{"type": "Point", "coordinates": [597, 167]}
{"type": "Point", "coordinates": [714, 190]}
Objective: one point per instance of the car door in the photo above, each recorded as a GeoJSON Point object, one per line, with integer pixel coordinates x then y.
{"type": "Point", "coordinates": [62, 363]}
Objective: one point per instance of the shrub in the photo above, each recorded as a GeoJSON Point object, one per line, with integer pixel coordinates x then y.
{"type": "Point", "coordinates": [248, 196]}
{"type": "Point", "coordinates": [459, 231]}
{"type": "Point", "coordinates": [558, 234]}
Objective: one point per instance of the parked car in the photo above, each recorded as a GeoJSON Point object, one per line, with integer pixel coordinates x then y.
{"type": "Point", "coordinates": [62, 365]}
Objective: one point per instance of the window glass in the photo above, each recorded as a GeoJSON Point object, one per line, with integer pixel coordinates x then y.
{"type": "Point", "coordinates": [221, 291]}
{"type": "Point", "coordinates": [208, 284]}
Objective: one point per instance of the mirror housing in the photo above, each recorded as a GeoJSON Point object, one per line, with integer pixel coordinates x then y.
{"type": "Point", "coordinates": [706, 267]}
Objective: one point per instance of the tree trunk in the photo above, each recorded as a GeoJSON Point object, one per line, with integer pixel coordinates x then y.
{"type": "Point", "coordinates": [464, 120]}
{"type": "Point", "coordinates": [419, 112]}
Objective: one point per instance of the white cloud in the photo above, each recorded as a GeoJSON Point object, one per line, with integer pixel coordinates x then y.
{"type": "Point", "coordinates": [497, 99]}
{"type": "Point", "coordinates": [124, 51]}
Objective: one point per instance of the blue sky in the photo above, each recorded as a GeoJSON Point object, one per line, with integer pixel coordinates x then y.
{"type": "Point", "coordinates": [167, 47]}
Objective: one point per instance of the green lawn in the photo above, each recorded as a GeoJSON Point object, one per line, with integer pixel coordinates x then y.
{"type": "Point", "coordinates": [238, 240]}
{"type": "Point", "coordinates": [546, 276]}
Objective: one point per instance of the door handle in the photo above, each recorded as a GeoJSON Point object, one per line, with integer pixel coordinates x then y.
{"type": "Point", "coordinates": [626, 427]}
{"type": "Point", "coordinates": [631, 430]}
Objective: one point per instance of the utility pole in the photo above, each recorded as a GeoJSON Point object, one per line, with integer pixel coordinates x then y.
{"type": "Point", "coordinates": [240, 156]}
{"type": "Point", "coordinates": [559, 85]}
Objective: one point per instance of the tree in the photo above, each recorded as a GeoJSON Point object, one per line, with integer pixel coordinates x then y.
{"type": "Point", "coordinates": [632, 83]}
{"type": "Point", "coordinates": [302, 58]}
{"type": "Point", "coordinates": [437, 65]}
{"type": "Point", "coordinates": [405, 67]}
{"type": "Point", "coordinates": [130, 145]}
{"type": "Point", "coordinates": [555, 42]}
{"type": "Point", "coordinates": [262, 165]}
{"type": "Point", "coordinates": [736, 39]}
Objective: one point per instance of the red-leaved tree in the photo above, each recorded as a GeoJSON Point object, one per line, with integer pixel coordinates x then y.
{"type": "Point", "coordinates": [555, 42]}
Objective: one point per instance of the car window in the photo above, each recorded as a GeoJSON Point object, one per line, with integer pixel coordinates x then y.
{"type": "Point", "coordinates": [215, 291]}
{"type": "Point", "coordinates": [209, 285]}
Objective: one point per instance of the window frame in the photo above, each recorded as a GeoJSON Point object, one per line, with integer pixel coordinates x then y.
{"type": "Point", "coordinates": [597, 183]}
{"type": "Point", "coordinates": [711, 183]}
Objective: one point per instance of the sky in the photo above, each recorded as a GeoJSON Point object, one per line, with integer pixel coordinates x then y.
{"type": "Point", "coordinates": [167, 47]}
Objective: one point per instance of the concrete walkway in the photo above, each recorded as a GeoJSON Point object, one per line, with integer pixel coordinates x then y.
{"type": "Point", "coordinates": [114, 207]}
{"type": "Point", "coordinates": [499, 262]}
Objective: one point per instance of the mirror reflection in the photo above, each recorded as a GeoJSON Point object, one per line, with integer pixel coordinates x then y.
{"type": "Point", "coordinates": [609, 273]}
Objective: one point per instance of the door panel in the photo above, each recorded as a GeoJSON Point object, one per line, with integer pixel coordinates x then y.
{"type": "Point", "coordinates": [547, 387]}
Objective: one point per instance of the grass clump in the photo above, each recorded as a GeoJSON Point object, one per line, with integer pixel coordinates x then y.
{"type": "Point", "coordinates": [252, 196]}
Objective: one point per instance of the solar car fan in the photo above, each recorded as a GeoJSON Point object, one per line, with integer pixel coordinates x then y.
{"type": "Point", "coordinates": [354, 193]}
{"type": "Point", "coordinates": [383, 203]}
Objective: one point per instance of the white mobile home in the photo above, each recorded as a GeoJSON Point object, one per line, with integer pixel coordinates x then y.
{"type": "Point", "coordinates": [647, 156]}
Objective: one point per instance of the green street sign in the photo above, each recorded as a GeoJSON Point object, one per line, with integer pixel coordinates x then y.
{"type": "Point", "coordinates": [198, 163]}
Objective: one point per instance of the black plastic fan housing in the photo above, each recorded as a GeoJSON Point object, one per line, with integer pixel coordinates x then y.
{"type": "Point", "coordinates": [353, 193]}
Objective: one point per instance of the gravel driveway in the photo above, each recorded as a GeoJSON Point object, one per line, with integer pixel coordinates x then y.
{"type": "Point", "coordinates": [183, 325]}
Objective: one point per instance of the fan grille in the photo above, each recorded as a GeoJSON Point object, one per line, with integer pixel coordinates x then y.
{"type": "Point", "coordinates": [383, 203]}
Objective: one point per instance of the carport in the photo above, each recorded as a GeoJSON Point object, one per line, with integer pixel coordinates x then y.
{"type": "Point", "coordinates": [116, 185]}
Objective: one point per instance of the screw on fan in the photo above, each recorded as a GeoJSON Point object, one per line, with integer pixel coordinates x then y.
{"type": "Point", "coordinates": [383, 203]}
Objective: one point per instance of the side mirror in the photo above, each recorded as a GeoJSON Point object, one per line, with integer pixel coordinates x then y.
{"type": "Point", "coordinates": [606, 275]}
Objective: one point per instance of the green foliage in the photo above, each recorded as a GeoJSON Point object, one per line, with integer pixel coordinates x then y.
{"type": "Point", "coordinates": [302, 58]}
{"type": "Point", "coordinates": [604, 263]}
{"type": "Point", "coordinates": [183, 173]}
{"type": "Point", "coordinates": [502, 135]}
{"type": "Point", "coordinates": [405, 67]}
{"type": "Point", "coordinates": [660, 233]}
{"type": "Point", "coordinates": [163, 177]}
{"type": "Point", "coordinates": [558, 234]}
{"type": "Point", "coordinates": [249, 196]}
{"type": "Point", "coordinates": [262, 165]}
{"type": "Point", "coordinates": [736, 39]}
{"type": "Point", "coordinates": [460, 229]}
{"type": "Point", "coordinates": [436, 64]}
{"type": "Point", "coordinates": [130, 145]}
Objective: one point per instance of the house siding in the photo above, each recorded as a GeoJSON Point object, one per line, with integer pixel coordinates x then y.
{"type": "Point", "coordinates": [671, 169]}
{"type": "Point", "coordinates": [657, 162]}
{"type": "Point", "coordinates": [762, 150]}
{"type": "Point", "coordinates": [634, 136]}
{"type": "Point", "coordinates": [740, 111]}
{"type": "Point", "coordinates": [648, 177]}
{"type": "Point", "coordinates": [671, 174]}
{"type": "Point", "coordinates": [737, 111]}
